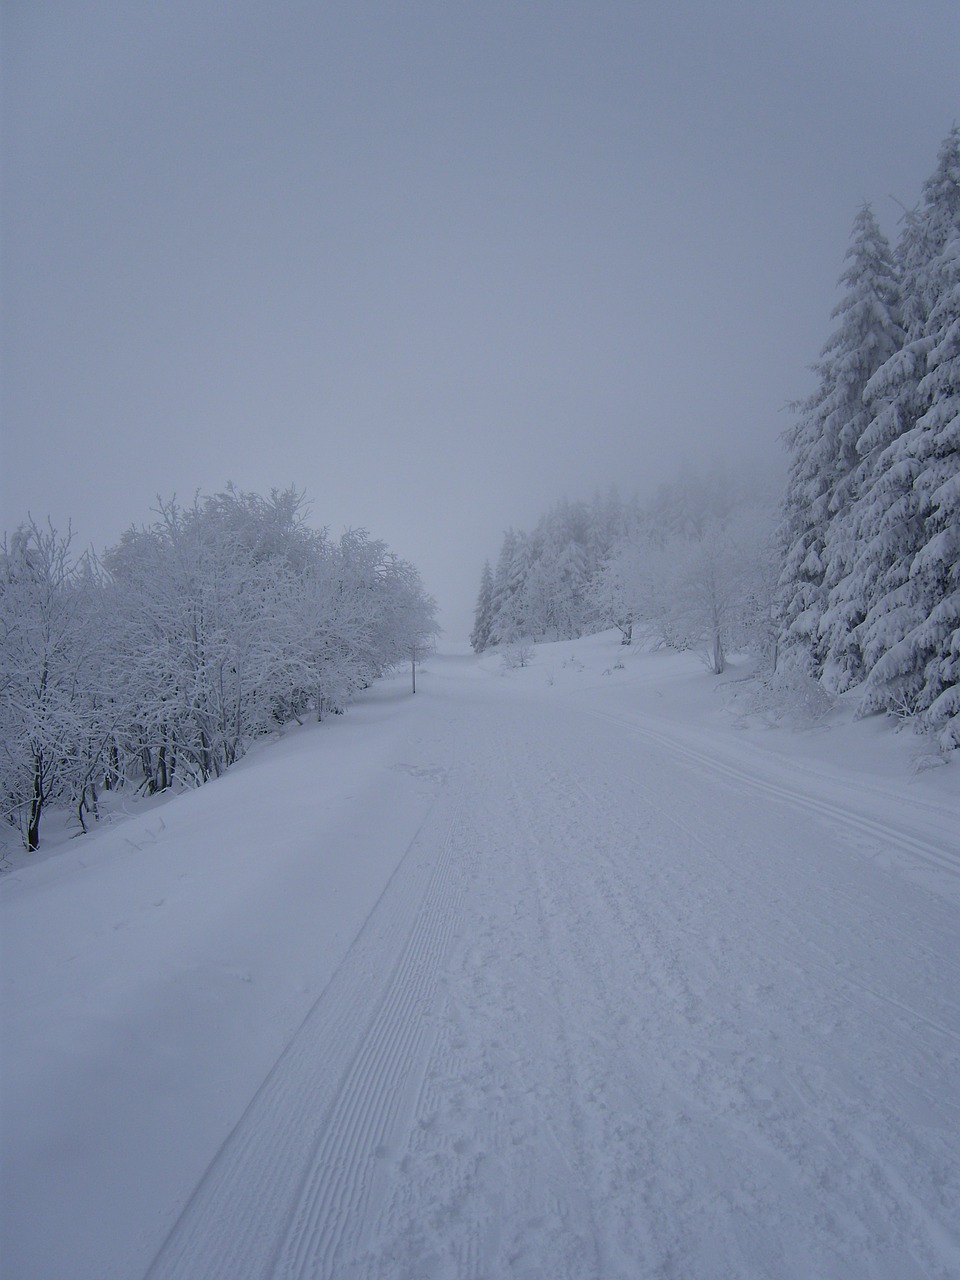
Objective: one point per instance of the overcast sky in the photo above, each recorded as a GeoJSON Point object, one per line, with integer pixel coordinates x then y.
{"type": "Point", "coordinates": [438, 264]}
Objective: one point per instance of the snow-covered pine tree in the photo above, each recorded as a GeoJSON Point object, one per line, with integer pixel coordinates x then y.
{"type": "Point", "coordinates": [905, 518]}
{"type": "Point", "coordinates": [574, 577]}
{"type": "Point", "coordinates": [817, 626]}
{"type": "Point", "coordinates": [513, 620]}
{"type": "Point", "coordinates": [933, 645]}
{"type": "Point", "coordinates": [506, 585]}
{"type": "Point", "coordinates": [919, 621]}
{"type": "Point", "coordinates": [603, 527]}
{"type": "Point", "coordinates": [690, 505]}
{"type": "Point", "coordinates": [483, 614]}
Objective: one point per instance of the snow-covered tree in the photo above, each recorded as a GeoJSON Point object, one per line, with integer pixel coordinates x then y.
{"type": "Point", "coordinates": [483, 614]}
{"type": "Point", "coordinates": [934, 641]}
{"type": "Point", "coordinates": [913, 628]}
{"type": "Point", "coordinates": [816, 532]}
{"type": "Point", "coordinates": [509, 618]}
{"type": "Point", "coordinates": [51, 730]}
{"type": "Point", "coordinates": [713, 593]}
{"type": "Point", "coordinates": [613, 564]}
{"type": "Point", "coordinates": [540, 588]}
{"type": "Point", "coordinates": [236, 618]}
{"type": "Point", "coordinates": [695, 501]}
{"type": "Point", "coordinates": [609, 521]}
{"type": "Point", "coordinates": [194, 616]}
{"type": "Point", "coordinates": [208, 628]}
{"type": "Point", "coordinates": [619, 592]}
{"type": "Point", "coordinates": [905, 517]}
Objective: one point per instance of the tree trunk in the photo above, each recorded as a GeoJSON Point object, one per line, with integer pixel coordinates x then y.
{"type": "Point", "coordinates": [36, 805]}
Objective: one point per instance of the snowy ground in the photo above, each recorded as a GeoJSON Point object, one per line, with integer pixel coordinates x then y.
{"type": "Point", "coordinates": [563, 972]}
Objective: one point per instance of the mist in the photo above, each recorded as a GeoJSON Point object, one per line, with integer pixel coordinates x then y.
{"type": "Point", "coordinates": [436, 265]}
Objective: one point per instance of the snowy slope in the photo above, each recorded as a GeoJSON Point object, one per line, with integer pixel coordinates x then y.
{"type": "Point", "coordinates": [560, 972]}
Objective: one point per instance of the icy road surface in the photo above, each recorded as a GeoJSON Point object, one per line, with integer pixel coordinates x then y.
{"type": "Point", "coordinates": [625, 998]}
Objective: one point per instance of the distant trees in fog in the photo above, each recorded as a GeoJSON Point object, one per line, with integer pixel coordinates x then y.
{"type": "Point", "coordinates": [855, 581]}
{"type": "Point", "coordinates": [695, 567]}
{"type": "Point", "coordinates": [195, 635]}
{"type": "Point", "coordinates": [540, 587]}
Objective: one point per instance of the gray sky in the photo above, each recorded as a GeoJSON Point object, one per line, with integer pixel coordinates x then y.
{"type": "Point", "coordinates": [438, 264]}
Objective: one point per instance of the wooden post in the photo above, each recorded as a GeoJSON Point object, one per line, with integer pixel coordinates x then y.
{"type": "Point", "coordinates": [413, 667]}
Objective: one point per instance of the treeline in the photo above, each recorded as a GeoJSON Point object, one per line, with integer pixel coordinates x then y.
{"type": "Point", "coordinates": [195, 635]}
{"type": "Point", "coordinates": [541, 586]}
{"type": "Point", "coordinates": [870, 585]}
{"type": "Point", "coordinates": [853, 577]}
{"type": "Point", "coordinates": [696, 566]}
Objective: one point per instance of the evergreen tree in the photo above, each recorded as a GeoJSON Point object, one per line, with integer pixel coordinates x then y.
{"type": "Point", "coordinates": [917, 621]}
{"type": "Point", "coordinates": [504, 589]}
{"type": "Point", "coordinates": [906, 516]}
{"type": "Point", "coordinates": [816, 532]}
{"type": "Point", "coordinates": [936, 569]}
{"type": "Point", "coordinates": [483, 615]}
{"type": "Point", "coordinates": [512, 618]}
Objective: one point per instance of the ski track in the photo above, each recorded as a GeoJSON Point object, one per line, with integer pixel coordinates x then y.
{"type": "Point", "coordinates": [611, 1019]}
{"type": "Point", "coordinates": [721, 1095]}
{"type": "Point", "coordinates": [942, 857]}
{"type": "Point", "coordinates": [309, 1137]}
{"type": "Point", "coordinates": [333, 1196]}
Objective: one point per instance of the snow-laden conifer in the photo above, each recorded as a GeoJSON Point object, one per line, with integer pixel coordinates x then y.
{"type": "Point", "coordinates": [918, 621]}
{"type": "Point", "coordinates": [507, 581]}
{"type": "Point", "coordinates": [483, 614]}
{"type": "Point", "coordinates": [816, 533]}
{"type": "Point", "coordinates": [905, 517]}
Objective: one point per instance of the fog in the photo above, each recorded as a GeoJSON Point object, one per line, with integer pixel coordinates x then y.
{"type": "Point", "coordinates": [437, 264]}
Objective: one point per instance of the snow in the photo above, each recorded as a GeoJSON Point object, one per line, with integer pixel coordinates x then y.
{"type": "Point", "coordinates": [581, 969]}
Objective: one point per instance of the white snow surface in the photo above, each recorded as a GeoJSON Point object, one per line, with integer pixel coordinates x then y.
{"type": "Point", "coordinates": [567, 971]}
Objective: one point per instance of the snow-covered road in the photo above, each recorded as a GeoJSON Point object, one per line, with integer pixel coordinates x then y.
{"type": "Point", "coordinates": [626, 1001]}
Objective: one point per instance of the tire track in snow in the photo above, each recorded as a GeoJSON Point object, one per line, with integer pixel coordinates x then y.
{"type": "Point", "coordinates": [310, 1136]}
